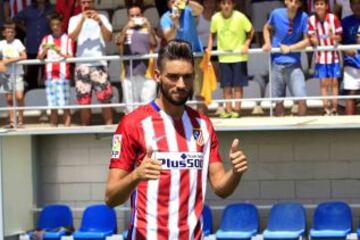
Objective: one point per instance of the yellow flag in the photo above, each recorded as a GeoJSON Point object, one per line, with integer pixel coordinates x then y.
{"type": "Point", "coordinates": [209, 82]}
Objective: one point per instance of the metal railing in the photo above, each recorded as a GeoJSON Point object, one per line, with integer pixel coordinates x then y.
{"type": "Point", "coordinates": [131, 58]}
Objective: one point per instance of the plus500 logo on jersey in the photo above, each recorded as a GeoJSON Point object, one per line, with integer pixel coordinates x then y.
{"type": "Point", "coordinates": [180, 160]}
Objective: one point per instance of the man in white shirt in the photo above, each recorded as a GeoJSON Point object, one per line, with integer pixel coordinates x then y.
{"type": "Point", "coordinates": [91, 29]}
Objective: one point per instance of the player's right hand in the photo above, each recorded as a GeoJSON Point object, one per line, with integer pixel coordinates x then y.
{"type": "Point", "coordinates": [149, 169]}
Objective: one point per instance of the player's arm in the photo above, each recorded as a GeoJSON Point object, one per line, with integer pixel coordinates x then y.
{"type": "Point", "coordinates": [224, 182]}
{"type": "Point", "coordinates": [121, 184]}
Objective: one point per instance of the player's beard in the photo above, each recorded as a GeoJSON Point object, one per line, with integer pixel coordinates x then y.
{"type": "Point", "coordinates": [169, 98]}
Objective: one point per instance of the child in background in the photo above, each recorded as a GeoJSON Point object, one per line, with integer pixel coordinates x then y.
{"type": "Point", "coordinates": [350, 25]}
{"type": "Point", "coordinates": [57, 46]}
{"type": "Point", "coordinates": [287, 29]}
{"type": "Point", "coordinates": [12, 51]}
{"type": "Point", "coordinates": [325, 30]}
{"type": "Point", "coordinates": [234, 32]}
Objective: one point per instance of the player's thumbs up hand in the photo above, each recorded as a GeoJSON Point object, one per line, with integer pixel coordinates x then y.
{"type": "Point", "coordinates": [149, 169]}
{"type": "Point", "coordinates": [237, 157]}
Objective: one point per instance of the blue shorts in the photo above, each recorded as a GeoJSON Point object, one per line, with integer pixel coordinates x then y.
{"type": "Point", "coordinates": [291, 76]}
{"type": "Point", "coordinates": [233, 74]}
{"type": "Point", "coordinates": [327, 70]}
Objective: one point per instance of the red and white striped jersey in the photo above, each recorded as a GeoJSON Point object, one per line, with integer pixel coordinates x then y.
{"type": "Point", "coordinates": [17, 6]}
{"type": "Point", "coordinates": [170, 207]}
{"type": "Point", "coordinates": [323, 30]}
{"type": "Point", "coordinates": [57, 70]}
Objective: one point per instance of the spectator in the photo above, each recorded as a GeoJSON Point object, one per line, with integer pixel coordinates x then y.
{"type": "Point", "coordinates": [91, 29]}
{"type": "Point", "coordinates": [13, 7]}
{"type": "Point", "coordinates": [12, 51]}
{"type": "Point", "coordinates": [137, 37]}
{"type": "Point", "coordinates": [332, 6]}
{"type": "Point", "coordinates": [34, 19]}
{"type": "Point", "coordinates": [56, 46]}
{"type": "Point", "coordinates": [342, 8]}
{"type": "Point", "coordinates": [287, 29]}
{"type": "Point", "coordinates": [179, 22]}
{"type": "Point", "coordinates": [351, 80]}
{"type": "Point", "coordinates": [67, 8]}
{"type": "Point", "coordinates": [325, 30]}
{"type": "Point", "coordinates": [234, 32]}
{"type": "Point", "coordinates": [260, 11]}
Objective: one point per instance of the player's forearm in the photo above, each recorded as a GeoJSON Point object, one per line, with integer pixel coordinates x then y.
{"type": "Point", "coordinates": [227, 184]}
{"type": "Point", "coordinates": [118, 192]}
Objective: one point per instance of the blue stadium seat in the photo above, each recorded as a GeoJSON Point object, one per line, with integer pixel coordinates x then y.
{"type": "Point", "coordinates": [239, 221]}
{"type": "Point", "coordinates": [286, 221]}
{"type": "Point", "coordinates": [56, 220]}
{"type": "Point", "coordinates": [331, 220]}
{"type": "Point", "coordinates": [98, 222]}
{"type": "Point", "coordinates": [207, 220]}
{"type": "Point", "coordinates": [358, 231]}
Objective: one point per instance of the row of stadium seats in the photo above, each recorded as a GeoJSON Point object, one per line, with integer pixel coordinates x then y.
{"type": "Point", "coordinates": [331, 220]}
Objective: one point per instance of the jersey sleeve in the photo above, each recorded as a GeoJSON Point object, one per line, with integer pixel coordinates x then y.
{"type": "Point", "coordinates": [124, 146]}
{"type": "Point", "coordinates": [20, 47]}
{"type": "Point", "coordinates": [311, 27]}
{"type": "Point", "coordinates": [165, 22]}
{"type": "Point", "coordinates": [72, 24]}
{"type": "Point", "coordinates": [214, 144]}
{"type": "Point", "coordinates": [246, 23]}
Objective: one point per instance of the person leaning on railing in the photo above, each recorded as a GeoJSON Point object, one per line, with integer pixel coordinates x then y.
{"type": "Point", "coordinates": [287, 29]}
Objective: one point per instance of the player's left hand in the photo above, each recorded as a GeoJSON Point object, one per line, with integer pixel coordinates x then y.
{"type": "Point", "coordinates": [238, 158]}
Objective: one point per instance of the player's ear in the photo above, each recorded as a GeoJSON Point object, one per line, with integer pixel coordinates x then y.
{"type": "Point", "coordinates": [157, 75]}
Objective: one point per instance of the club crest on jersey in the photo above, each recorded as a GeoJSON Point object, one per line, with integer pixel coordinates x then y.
{"type": "Point", "coordinates": [198, 136]}
{"type": "Point", "coordinates": [116, 146]}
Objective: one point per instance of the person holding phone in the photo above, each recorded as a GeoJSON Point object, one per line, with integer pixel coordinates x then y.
{"type": "Point", "coordinates": [91, 30]}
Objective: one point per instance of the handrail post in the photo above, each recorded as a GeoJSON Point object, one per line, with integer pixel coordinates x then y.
{"type": "Point", "coordinates": [13, 84]}
{"type": "Point", "coordinates": [270, 85]}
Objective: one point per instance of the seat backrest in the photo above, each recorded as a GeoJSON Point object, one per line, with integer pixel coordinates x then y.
{"type": "Point", "coordinates": [119, 19]}
{"type": "Point", "coordinates": [55, 216]}
{"type": "Point", "coordinates": [36, 97]}
{"type": "Point", "coordinates": [98, 218]}
{"type": "Point", "coordinates": [207, 220]}
{"type": "Point", "coordinates": [240, 217]}
{"type": "Point", "coordinates": [287, 217]}
{"type": "Point", "coordinates": [152, 15]}
{"type": "Point", "coordinates": [332, 216]}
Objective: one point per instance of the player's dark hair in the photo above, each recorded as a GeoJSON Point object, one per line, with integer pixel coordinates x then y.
{"type": "Point", "coordinates": [9, 24]}
{"type": "Point", "coordinates": [175, 50]}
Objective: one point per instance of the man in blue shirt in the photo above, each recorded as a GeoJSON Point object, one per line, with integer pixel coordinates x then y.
{"type": "Point", "coordinates": [34, 19]}
{"type": "Point", "coordinates": [179, 22]}
{"type": "Point", "coordinates": [350, 26]}
{"type": "Point", "coordinates": [287, 29]}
